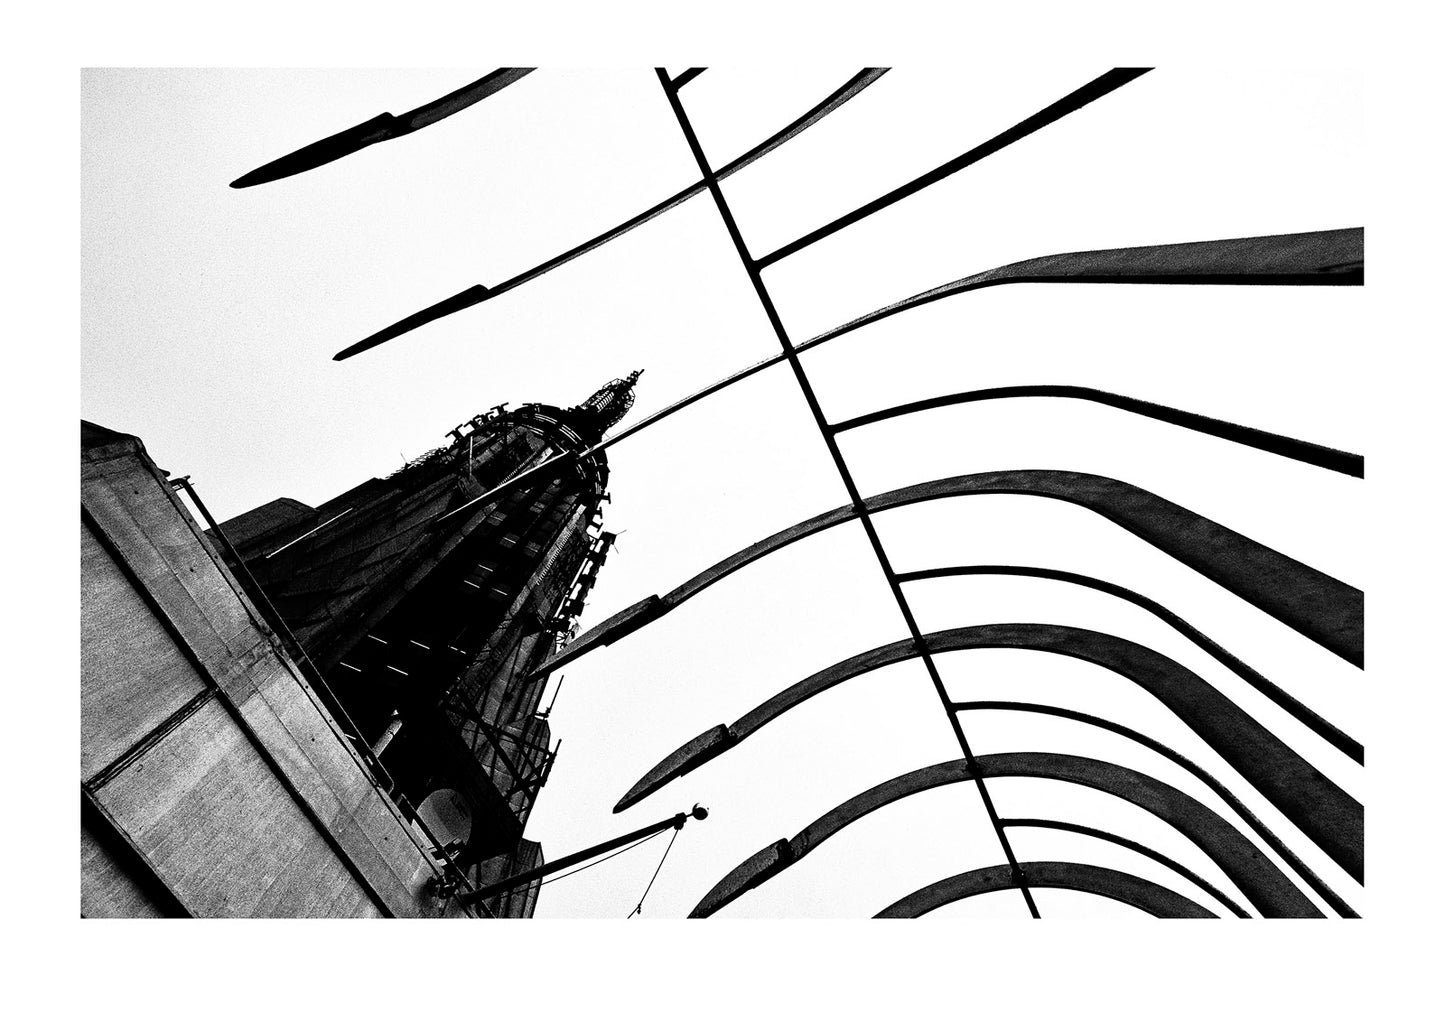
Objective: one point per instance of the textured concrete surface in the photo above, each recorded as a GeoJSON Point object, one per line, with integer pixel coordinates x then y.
{"type": "Point", "coordinates": [214, 778]}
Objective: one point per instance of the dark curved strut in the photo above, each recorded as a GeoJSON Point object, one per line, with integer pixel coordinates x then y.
{"type": "Point", "coordinates": [1076, 100]}
{"type": "Point", "coordinates": [1138, 848]}
{"type": "Point", "coordinates": [1150, 897]}
{"type": "Point", "coordinates": [479, 293]}
{"type": "Point", "coordinates": [1301, 712]}
{"type": "Point", "coordinates": [1322, 608]}
{"type": "Point", "coordinates": [1308, 798]}
{"type": "Point", "coordinates": [1321, 258]}
{"type": "Point", "coordinates": [1267, 888]}
{"type": "Point", "coordinates": [1264, 833]}
{"type": "Point", "coordinates": [381, 128]}
{"type": "Point", "coordinates": [714, 742]}
{"type": "Point", "coordinates": [1300, 450]}
{"type": "Point", "coordinates": [1285, 446]}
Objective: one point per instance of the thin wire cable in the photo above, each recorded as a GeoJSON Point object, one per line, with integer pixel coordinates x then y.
{"type": "Point", "coordinates": [599, 861]}
{"type": "Point", "coordinates": [751, 266]}
{"type": "Point", "coordinates": [638, 910]}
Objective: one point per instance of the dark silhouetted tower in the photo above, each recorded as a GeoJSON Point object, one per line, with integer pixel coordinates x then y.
{"type": "Point", "coordinates": [426, 609]}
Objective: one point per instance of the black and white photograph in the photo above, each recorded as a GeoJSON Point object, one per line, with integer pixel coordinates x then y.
{"type": "Point", "coordinates": [838, 482]}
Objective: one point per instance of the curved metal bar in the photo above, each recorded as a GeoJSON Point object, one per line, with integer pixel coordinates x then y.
{"type": "Point", "coordinates": [1137, 848]}
{"type": "Point", "coordinates": [714, 742]}
{"type": "Point", "coordinates": [1261, 881]}
{"type": "Point", "coordinates": [1264, 833]}
{"type": "Point", "coordinates": [1076, 100]}
{"type": "Point", "coordinates": [1301, 712]}
{"type": "Point", "coordinates": [1285, 446]}
{"type": "Point", "coordinates": [381, 128]}
{"type": "Point", "coordinates": [1323, 609]}
{"type": "Point", "coordinates": [1149, 897]}
{"type": "Point", "coordinates": [1320, 257]}
{"type": "Point", "coordinates": [1308, 798]}
{"type": "Point", "coordinates": [1299, 450]}
{"type": "Point", "coordinates": [479, 293]}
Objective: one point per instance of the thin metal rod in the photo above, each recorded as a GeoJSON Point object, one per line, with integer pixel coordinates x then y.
{"type": "Point", "coordinates": [1099, 87]}
{"type": "Point", "coordinates": [567, 861]}
{"type": "Point", "coordinates": [656, 872]}
{"type": "Point", "coordinates": [561, 459]}
{"type": "Point", "coordinates": [309, 534]}
{"type": "Point", "coordinates": [599, 861]}
{"type": "Point", "coordinates": [821, 422]}
{"type": "Point", "coordinates": [276, 623]}
{"type": "Point", "coordinates": [546, 713]}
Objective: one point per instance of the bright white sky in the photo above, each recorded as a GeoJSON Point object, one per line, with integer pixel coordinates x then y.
{"type": "Point", "coordinates": [210, 317]}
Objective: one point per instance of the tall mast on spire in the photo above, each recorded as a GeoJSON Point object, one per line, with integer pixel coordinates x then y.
{"type": "Point", "coordinates": [606, 407]}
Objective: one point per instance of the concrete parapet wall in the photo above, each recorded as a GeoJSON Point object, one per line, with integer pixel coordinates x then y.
{"type": "Point", "coordinates": [213, 781]}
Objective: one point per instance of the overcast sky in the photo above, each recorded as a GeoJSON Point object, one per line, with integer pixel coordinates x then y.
{"type": "Point", "coordinates": [209, 317]}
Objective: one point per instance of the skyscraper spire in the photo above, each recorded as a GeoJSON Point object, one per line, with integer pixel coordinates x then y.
{"type": "Point", "coordinates": [605, 408]}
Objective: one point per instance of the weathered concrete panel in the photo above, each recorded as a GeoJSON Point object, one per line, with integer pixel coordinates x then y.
{"type": "Point", "coordinates": [322, 750]}
{"type": "Point", "coordinates": [211, 817]}
{"type": "Point", "coordinates": [132, 676]}
{"type": "Point", "coordinates": [225, 781]}
{"type": "Point", "coordinates": [162, 547]}
{"type": "Point", "coordinates": [107, 888]}
{"type": "Point", "coordinates": [313, 883]}
{"type": "Point", "coordinates": [292, 758]}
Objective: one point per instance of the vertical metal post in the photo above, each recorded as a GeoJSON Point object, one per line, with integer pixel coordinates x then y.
{"type": "Point", "coordinates": [755, 275]}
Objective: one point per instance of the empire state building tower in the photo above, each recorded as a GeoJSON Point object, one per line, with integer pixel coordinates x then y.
{"type": "Point", "coordinates": [426, 603]}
